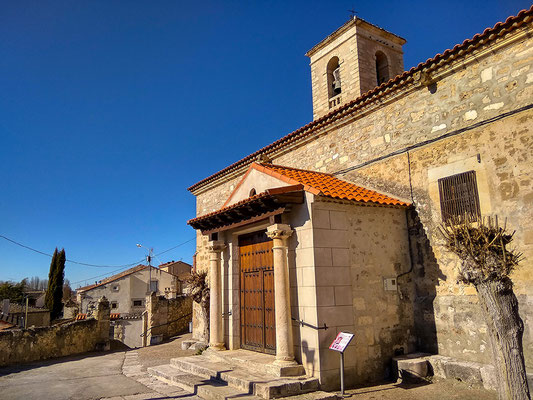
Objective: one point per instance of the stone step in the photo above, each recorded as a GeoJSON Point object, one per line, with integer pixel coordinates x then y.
{"type": "Point", "coordinates": [264, 385]}
{"type": "Point", "coordinates": [221, 392]}
{"type": "Point", "coordinates": [256, 362]}
{"type": "Point", "coordinates": [211, 389]}
{"type": "Point", "coordinates": [186, 381]}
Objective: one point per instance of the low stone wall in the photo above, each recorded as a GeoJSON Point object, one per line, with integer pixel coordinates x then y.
{"type": "Point", "coordinates": [168, 317]}
{"type": "Point", "coordinates": [25, 345]}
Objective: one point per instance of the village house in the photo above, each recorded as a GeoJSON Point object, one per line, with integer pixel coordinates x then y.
{"type": "Point", "coordinates": [333, 227]}
{"type": "Point", "coordinates": [180, 269]}
{"type": "Point", "coordinates": [127, 290]}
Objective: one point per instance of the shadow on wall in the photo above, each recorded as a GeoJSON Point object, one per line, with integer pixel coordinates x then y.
{"type": "Point", "coordinates": [425, 275]}
{"type": "Point", "coordinates": [309, 357]}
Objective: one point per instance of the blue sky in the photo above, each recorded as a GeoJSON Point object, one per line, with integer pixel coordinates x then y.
{"type": "Point", "coordinates": [109, 110]}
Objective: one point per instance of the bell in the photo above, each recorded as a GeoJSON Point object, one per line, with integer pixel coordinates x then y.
{"type": "Point", "coordinates": [336, 87]}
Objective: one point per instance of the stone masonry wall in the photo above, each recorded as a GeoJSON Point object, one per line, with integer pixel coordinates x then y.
{"type": "Point", "coordinates": [168, 317]}
{"type": "Point", "coordinates": [25, 345]}
{"type": "Point", "coordinates": [355, 249]}
{"type": "Point", "coordinates": [478, 91]}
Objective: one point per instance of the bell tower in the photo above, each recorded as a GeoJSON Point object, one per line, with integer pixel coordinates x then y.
{"type": "Point", "coordinates": [354, 59]}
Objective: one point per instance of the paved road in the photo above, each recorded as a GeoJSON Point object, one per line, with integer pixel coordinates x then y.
{"type": "Point", "coordinates": [87, 377]}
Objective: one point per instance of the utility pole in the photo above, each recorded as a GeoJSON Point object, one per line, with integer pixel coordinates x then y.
{"type": "Point", "coordinates": [26, 313]}
{"type": "Point", "coordinates": [149, 259]}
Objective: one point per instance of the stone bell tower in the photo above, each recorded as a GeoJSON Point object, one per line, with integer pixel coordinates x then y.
{"type": "Point", "coordinates": [354, 59]}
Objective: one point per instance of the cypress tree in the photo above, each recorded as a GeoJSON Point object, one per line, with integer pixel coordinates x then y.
{"type": "Point", "coordinates": [54, 292]}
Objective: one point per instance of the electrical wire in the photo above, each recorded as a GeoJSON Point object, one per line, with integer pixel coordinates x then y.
{"type": "Point", "coordinates": [120, 267]}
{"type": "Point", "coordinates": [68, 260]}
{"type": "Point", "coordinates": [93, 265]}
{"type": "Point", "coordinates": [175, 247]}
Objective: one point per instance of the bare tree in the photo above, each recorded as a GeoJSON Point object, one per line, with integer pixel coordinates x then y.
{"type": "Point", "coordinates": [199, 291]}
{"type": "Point", "coordinates": [486, 263]}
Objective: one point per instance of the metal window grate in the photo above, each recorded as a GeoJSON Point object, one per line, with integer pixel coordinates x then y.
{"type": "Point", "coordinates": [459, 197]}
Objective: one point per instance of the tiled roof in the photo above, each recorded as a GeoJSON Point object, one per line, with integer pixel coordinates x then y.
{"type": "Point", "coordinates": [327, 185]}
{"type": "Point", "coordinates": [114, 277]}
{"type": "Point", "coordinates": [393, 84]}
{"type": "Point", "coordinates": [318, 183]}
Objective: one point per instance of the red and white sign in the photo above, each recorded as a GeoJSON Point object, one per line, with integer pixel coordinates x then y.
{"type": "Point", "coordinates": [342, 341]}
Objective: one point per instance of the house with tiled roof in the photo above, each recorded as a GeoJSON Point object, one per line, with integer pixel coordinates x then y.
{"type": "Point", "coordinates": [334, 227]}
{"type": "Point", "coordinates": [127, 290]}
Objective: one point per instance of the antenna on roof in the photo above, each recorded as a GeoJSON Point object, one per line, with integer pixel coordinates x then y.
{"type": "Point", "coordinates": [353, 13]}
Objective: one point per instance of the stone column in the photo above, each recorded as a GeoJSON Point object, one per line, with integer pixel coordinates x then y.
{"type": "Point", "coordinates": [279, 233]}
{"type": "Point", "coordinates": [216, 334]}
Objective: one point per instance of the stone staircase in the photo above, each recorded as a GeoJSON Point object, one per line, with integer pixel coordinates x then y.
{"type": "Point", "coordinates": [239, 374]}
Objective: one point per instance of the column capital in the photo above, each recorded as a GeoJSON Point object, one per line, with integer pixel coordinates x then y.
{"type": "Point", "coordinates": [216, 246]}
{"type": "Point", "coordinates": [279, 231]}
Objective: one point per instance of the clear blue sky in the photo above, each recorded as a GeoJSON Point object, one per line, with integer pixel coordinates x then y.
{"type": "Point", "coordinates": [109, 110]}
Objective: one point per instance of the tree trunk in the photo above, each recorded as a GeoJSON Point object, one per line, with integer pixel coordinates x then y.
{"type": "Point", "coordinates": [500, 308]}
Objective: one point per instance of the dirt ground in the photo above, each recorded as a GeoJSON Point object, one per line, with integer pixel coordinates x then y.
{"type": "Point", "coordinates": [441, 390]}
{"type": "Point", "coordinates": [152, 356]}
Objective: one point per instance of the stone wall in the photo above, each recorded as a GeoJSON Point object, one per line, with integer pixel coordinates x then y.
{"type": "Point", "coordinates": [473, 116]}
{"type": "Point", "coordinates": [129, 331]}
{"type": "Point", "coordinates": [25, 345]}
{"type": "Point", "coordinates": [168, 317]}
{"type": "Point", "coordinates": [355, 248]}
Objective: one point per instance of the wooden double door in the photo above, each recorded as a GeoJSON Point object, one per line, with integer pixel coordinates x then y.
{"type": "Point", "coordinates": [258, 321]}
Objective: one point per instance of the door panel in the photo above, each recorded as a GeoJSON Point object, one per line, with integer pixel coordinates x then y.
{"type": "Point", "coordinates": [258, 330]}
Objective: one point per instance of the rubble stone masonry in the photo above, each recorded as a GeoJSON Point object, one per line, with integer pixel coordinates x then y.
{"type": "Point", "coordinates": [482, 103]}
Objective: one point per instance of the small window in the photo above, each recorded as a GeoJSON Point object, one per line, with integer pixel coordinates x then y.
{"type": "Point", "coordinates": [153, 286]}
{"type": "Point", "coordinates": [459, 197]}
{"type": "Point", "coordinates": [252, 192]}
{"type": "Point", "coordinates": [114, 305]}
{"type": "Point", "coordinates": [115, 288]}
{"type": "Point", "coordinates": [137, 303]}
{"type": "Point", "coordinates": [382, 68]}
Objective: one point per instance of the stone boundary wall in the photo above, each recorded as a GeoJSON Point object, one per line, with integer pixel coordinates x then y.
{"type": "Point", "coordinates": [161, 311]}
{"type": "Point", "coordinates": [33, 344]}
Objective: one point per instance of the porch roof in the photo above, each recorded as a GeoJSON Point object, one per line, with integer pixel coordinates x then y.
{"type": "Point", "coordinates": [321, 183]}
{"type": "Point", "coordinates": [274, 201]}
{"type": "Point", "coordinates": [255, 208]}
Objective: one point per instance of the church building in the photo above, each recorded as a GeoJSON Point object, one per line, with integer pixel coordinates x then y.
{"type": "Point", "coordinates": [334, 227]}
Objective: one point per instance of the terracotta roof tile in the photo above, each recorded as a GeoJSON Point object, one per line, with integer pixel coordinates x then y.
{"type": "Point", "coordinates": [318, 183]}
{"type": "Point", "coordinates": [327, 185]}
{"type": "Point", "coordinates": [393, 84]}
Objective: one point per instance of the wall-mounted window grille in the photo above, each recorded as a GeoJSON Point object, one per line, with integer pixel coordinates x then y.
{"type": "Point", "coordinates": [459, 197]}
{"type": "Point", "coordinates": [153, 286]}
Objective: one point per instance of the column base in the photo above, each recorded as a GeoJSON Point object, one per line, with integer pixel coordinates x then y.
{"type": "Point", "coordinates": [285, 362]}
{"type": "Point", "coordinates": [217, 346]}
